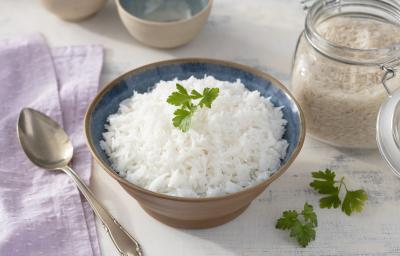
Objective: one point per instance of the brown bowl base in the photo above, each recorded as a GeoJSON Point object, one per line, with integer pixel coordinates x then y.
{"type": "Point", "coordinates": [195, 224]}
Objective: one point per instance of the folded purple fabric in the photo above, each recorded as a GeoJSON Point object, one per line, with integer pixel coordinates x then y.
{"type": "Point", "coordinates": [41, 212]}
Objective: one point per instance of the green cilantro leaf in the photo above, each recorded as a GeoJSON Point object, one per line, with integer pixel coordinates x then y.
{"type": "Point", "coordinates": [178, 99]}
{"type": "Point", "coordinates": [354, 201]}
{"type": "Point", "coordinates": [209, 95]}
{"type": "Point", "coordinates": [325, 175]}
{"type": "Point", "coordinates": [325, 183]}
{"type": "Point", "coordinates": [304, 233]}
{"type": "Point", "coordinates": [309, 214]}
{"type": "Point", "coordinates": [182, 119]}
{"type": "Point", "coordinates": [181, 98]}
{"type": "Point", "coordinates": [302, 229]}
{"type": "Point", "coordinates": [195, 95]}
{"type": "Point", "coordinates": [181, 89]}
{"type": "Point", "coordinates": [330, 201]}
{"type": "Point", "coordinates": [287, 221]}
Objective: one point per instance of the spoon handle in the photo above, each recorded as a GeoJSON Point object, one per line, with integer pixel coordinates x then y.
{"type": "Point", "coordinates": [125, 243]}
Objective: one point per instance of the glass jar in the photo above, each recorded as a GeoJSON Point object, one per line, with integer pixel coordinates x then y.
{"type": "Point", "coordinates": [342, 66]}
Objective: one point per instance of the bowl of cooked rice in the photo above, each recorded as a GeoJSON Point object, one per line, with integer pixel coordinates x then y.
{"type": "Point", "coordinates": [194, 141]}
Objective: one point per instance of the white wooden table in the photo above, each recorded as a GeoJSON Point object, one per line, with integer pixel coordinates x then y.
{"type": "Point", "coordinates": [262, 34]}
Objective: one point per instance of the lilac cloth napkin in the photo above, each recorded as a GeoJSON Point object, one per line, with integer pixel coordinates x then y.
{"type": "Point", "coordinates": [42, 212]}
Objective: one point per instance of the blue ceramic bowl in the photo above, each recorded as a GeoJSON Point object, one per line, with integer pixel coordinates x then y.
{"type": "Point", "coordinates": [142, 80]}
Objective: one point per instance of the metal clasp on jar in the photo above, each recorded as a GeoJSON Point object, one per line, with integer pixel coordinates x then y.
{"type": "Point", "coordinates": [306, 4]}
{"type": "Point", "coordinates": [390, 72]}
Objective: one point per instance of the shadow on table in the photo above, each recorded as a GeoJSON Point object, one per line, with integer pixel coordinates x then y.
{"type": "Point", "coordinates": [228, 38]}
{"type": "Point", "coordinates": [108, 24]}
{"type": "Point", "coordinates": [367, 156]}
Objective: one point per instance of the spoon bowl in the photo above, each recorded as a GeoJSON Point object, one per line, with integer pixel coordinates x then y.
{"type": "Point", "coordinates": [43, 140]}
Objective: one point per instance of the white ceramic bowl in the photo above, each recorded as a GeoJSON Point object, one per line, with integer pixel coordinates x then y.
{"type": "Point", "coordinates": [163, 34]}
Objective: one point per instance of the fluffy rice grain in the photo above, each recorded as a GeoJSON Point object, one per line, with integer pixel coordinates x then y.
{"type": "Point", "coordinates": [235, 144]}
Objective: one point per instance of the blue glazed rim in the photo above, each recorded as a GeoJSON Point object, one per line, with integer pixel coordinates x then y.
{"type": "Point", "coordinates": [274, 82]}
{"type": "Point", "coordinates": [206, 8]}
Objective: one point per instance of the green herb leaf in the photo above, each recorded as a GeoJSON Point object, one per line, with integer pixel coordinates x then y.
{"type": "Point", "coordinates": [354, 201]}
{"type": "Point", "coordinates": [178, 99]}
{"type": "Point", "coordinates": [181, 89]}
{"type": "Point", "coordinates": [209, 95]}
{"type": "Point", "coordinates": [287, 221]}
{"type": "Point", "coordinates": [182, 119]}
{"type": "Point", "coordinates": [195, 95]}
{"type": "Point", "coordinates": [309, 214]}
{"type": "Point", "coordinates": [325, 183]}
{"type": "Point", "coordinates": [330, 201]}
{"type": "Point", "coordinates": [325, 175]}
{"type": "Point", "coordinates": [302, 230]}
{"type": "Point", "coordinates": [183, 116]}
{"type": "Point", "coordinates": [304, 233]}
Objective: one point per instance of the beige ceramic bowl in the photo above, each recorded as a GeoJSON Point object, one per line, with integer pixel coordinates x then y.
{"type": "Point", "coordinates": [168, 34]}
{"type": "Point", "coordinates": [73, 10]}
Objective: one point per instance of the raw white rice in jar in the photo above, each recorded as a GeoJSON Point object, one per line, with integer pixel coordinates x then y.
{"type": "Point", "coordinates": [336, 75]}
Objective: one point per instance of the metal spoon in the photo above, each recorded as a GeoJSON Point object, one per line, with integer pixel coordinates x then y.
{"type": "Point", "coordinates": [47, 145]}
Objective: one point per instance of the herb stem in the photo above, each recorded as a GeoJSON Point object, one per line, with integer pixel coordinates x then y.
{"type": "Point", "coordinates": [341, 181]}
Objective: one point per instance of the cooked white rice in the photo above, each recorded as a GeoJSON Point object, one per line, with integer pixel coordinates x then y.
{"type": "Point", "coordinates": [235, 144]}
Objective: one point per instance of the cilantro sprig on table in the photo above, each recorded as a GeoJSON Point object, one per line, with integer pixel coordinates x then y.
{"type": "Point", "coordinates": [301, 225]}
{"type": "Point", "coordinates": [181, 98]}
{"type": "Point", "coordinates": [325, 183]}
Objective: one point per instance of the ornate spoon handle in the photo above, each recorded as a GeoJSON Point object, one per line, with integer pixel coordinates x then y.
{"type": "Point", "coordinates": [125, 243]}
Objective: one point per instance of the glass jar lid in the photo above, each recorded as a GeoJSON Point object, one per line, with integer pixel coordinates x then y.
{"type": "Point", "coordinates": [387, 131]}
